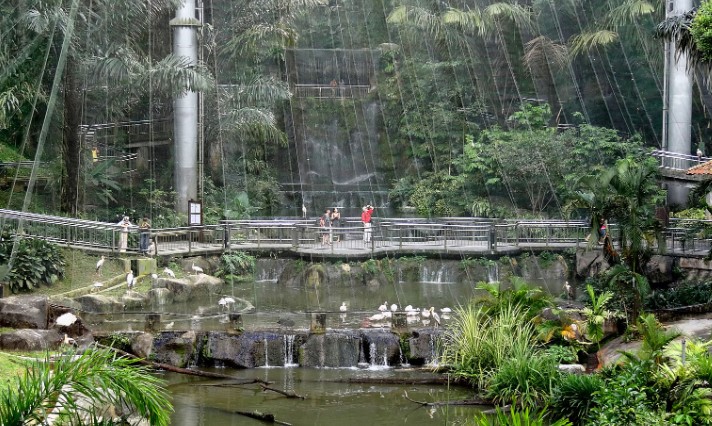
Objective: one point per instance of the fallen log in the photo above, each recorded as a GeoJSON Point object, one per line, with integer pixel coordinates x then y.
{"type": "Point", "coordinates": [264, 417]}
{"type": "Point", "coordinates": [473, 401]}
{"type": "Point", "coordinates": [179, 370]}
{"type": "Point", "coordinates": [288, 394]}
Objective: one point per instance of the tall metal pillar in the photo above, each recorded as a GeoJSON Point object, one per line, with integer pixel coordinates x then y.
{"type": "Point", "coordinates": [677, 120]}
{"type": "Point", "coordinates": [185, 107]}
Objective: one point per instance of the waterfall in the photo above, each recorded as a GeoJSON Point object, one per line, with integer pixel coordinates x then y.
{"type": "Point", "coordinates": [269, 270]}
{"type": "Point", "coordinates": [492, 272]}
{"type": "Point", "coordinates": [433, 362]}
{"type": "Point", "coordinates": [289, 351]}
{"type": "Point", "coordinates": [266, 353]}
{"type": "Point", "coordinates": [439, 273]}
{"type": "Point", "coordinates": [401, 358]}
{"type": "Point", "coordinates": [375, 362]}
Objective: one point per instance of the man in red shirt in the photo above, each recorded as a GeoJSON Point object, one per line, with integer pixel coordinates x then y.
{"type": "Point", "coordinates": [366, 219]}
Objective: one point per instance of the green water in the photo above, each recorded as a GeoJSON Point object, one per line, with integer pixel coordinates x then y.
{"type": "Point", "coordinates": [330, 399]}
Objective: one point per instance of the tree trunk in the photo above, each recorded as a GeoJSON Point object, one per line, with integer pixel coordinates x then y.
{"type": "Point", "coordinates": [71, 143]}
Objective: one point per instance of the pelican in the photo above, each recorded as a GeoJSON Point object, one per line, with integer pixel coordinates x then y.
{"type": "Point", "coordinates": [377, 317]}
{"type": "Point", "coordinates": [196, 269]}
{"type": "Point", "coordinates": [168, 272]}
{"type": "Point", "coordinates": [304, 211]}
{"type": "Point", "coordinates": [343, 307]}
{"type": "Point", "coordinates": [435, 316]}
{"type": "Point", "coordinates": [66, 319]}
{"type": "Point", "coordinates": [445, 310]}
{"type": "Point", "coordinates": [409, 308]}
{"type": "Point", "coordinates": [425, 313]}
{"type": "Point", "coordinates": [99, 264]}
{"type": "Point", "coordinates": [129, 279]}
{"type": "Point", "coordinates": [394, 307]}
{"type": "Point", "coordinates": [384, 307]}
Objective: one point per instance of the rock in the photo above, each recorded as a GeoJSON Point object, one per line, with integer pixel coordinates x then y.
{"type": "Point", "coordinates": [97, 303]}
{"type": "Point", "coordinates": [249, 350]}
{"type": "Point", "coordinates": [31, 340]}
{"type": "Point", "coordinates": [381, 347]}
{"type": "Point", "coordinates": [142, 345]}
{"type": "Point", "coordinates": [174, 348]}
{"type": "Point", "coordinates": [572, 368]}
{"type": "Point", "coordinates": [23, 312]}
{"type": "Point", "coordinates": [659, 269]}
{"type": "Point", "coordinates": [423, 344]}
{"type": "Point", "coordinates": [337, 349]}
{"type": "Point", "coordinates": [590, 262]}
{"type": "Point", "coordinates": [160, 296]}
{"type": "Point", "coordinates": [133, 300]}
{"type": "Point", "coordinates": [193, 286]}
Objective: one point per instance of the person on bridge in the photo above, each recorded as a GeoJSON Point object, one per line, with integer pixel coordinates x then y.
{"type": "Point", "coordinates": [336, 222]}
{"type": "Point", "coordinates": [145, 232]}
{"type": "Point", "coordinates": [124, 234]}
{"type": "Point", "coordinates": [366, 219]}
{"type": "Point", "coordinates": [325, 224]}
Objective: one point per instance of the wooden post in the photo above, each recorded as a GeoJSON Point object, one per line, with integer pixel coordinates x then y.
{"type": "Point", "coordinates": [152, 322]}
{"type": "Point", "coordinates": [318, 323]}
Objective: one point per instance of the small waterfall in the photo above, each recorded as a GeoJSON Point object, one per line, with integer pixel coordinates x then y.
{"type": "Point", "coordinates": [492, 272]}
{"type": "Point", "coordinates": [289, 351]}
{"type": "Point", "coordinates": [269, 270]}
{"type": "Point", "coordinates": [433, 362]}
{"type": "Point", "coordinates": [362, 357]}
{"type": "Point", "coordinates": [266, 353]}
{"type": "Point", "coordinates": [401, 359]}
{"type": "Point", "coordinates": [437, 273]}
{"type": "Point", "coordinates": [375, 362]}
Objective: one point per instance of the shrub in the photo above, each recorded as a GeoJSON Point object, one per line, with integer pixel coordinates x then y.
{"type": "Point", "coordinates": [516, 417]}
{"type": "Point", "coordinates": [524, 380]}
{"type": "Point", "coordinates": [36, 262]}
{"type": "Point", "coordinates": [236, 264]}
{"type": "Point", "coordinates": [572, 397]}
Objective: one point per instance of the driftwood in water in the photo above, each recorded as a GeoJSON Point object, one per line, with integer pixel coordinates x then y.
{"type": "Point", "coordinates": [179, 370]}
{"type": "Point", "coordinates": [264, 417]}
{"type": "Point", "coordinates": [474, 401]}
{"type": "Point", "coordinates": [288, 394]}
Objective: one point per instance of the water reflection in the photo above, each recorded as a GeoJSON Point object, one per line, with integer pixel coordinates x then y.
{"type": "Point", "coordinates": [332, 396]}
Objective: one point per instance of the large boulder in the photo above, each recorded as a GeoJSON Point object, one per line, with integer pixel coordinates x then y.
{"type": "Point", "coordinates": [659, 269]}
{"type": "Point", "coordinates": [590, 263]}
{"type": "Point", "coordinates": [142, 345]}
{"type": "Point", "coordinates": [31, 340]}
{"type": "Point", "coordinates": [23, 312]}
{"type": "Point", "coordinates": [97, 303]}
{"type": "Point", "coordinates": [174, 348]}
{"type": "Point", "coordinates": [422, 346]}
{"type": "Point", "coordinates": [381, 348]}
{"type": "Point", "coordinates": [184, 289]}
{"type": "Point", "coordinates": [251, 349]}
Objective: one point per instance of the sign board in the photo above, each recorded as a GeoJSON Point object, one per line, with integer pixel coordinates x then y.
{"type": "Point", "coordinates": [195, 213]}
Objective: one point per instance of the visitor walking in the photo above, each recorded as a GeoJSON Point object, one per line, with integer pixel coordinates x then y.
{"type": "Point", "coordinates": [144, 235]}
{"type": "Point", "coordinates": [602, 231]}
{"type": "Point", "coordinates": [366, 219]}
{"type": "Point", "coordinates": [325, 225]}
{"type": "Point", "coordinates": [124, 234]}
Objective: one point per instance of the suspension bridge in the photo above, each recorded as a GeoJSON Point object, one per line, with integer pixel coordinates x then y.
{"type": "Point", "coordinates": [445, 237]}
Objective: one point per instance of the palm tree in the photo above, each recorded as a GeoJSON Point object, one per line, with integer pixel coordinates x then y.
{"type": "Point", "coordinates": [78, 389]}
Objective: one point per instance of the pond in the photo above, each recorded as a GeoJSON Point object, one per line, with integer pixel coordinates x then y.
{"type": "Point", "coordinates": [332, 397]}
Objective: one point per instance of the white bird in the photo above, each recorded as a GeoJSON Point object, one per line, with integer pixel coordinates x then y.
{"type": "Point", "coordinates": [445, 310]}
{"type": "Point", "coordinates": [170, 325]}
{"type": "Point", "coordinates": [343, 307]}
{"type": "Point", "coordinates": [568, 290]}
{"type": "Point", "coordinates": [196, 269]}
{"type": "Point", "coordinates": [425, 313]}
{"type": "Point", "coordinates": [99, 264]}
{"type": "Point", "coordinates": [222, 303]}
{"type": "Point", "coordinates": [168, 272]}
{"type": "Point", "coordinates": [435, 316]}
{"type": "Point", "coordinates": [376, 317]}
{"type": "Point", "coordinates": [699, 154]}
{"type": "Point", "coordinates": [66, 319]}
{"type": "Point", "coordinates": [130, 279]}
{"type": "Point", "coordinates": [384, 307]}
{"type": "Point", "coordinates": [97, 285]}
{"type": "Point", "coordinates": [225, 302]}
{"type": "Point", "coordinates": [394, 307]}
{"type": "Point", "coordinates": [69, 341]}
{"type": "Point", "coordinates": [304, 211]}
{"type": "Point", "coordinates": [409, 308]}
{"type": "Point", "coordinates": [154, 276]}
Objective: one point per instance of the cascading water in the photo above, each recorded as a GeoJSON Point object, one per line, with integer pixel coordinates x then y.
{"type": "Point", "coordinates": [266, 353]}
{"type": "Point", "coordinates": [433, 361]}
{"type": "Point", "coordinates": [377, 361]}
{"type": "Point", "coordinates": [269, 270]}
{"type": "Point", "coordinates": [289, 351]}
{"type": "Point", "coordinates": [440, 273]}
{"type": "Point", "coordinates": [492, 272]}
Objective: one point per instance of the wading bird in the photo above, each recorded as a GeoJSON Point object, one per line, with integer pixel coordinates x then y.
{"type": "Point", "coordinates": [343, 307]}
{"type": "Point", "coordinates": [99, 264]}
{"type": "Point", "coordinates": [168, 272]}
{"type": "Point", "coordinates": [130, 279]}
{"type": "Point", "coordinates": [196, 269]}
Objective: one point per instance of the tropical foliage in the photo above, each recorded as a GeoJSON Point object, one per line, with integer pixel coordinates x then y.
{"type": "Point", "coordinates": [81, 389]}
{"type": "Point", "coordinates": [32, 263]}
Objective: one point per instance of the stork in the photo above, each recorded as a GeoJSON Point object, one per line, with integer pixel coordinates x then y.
{"type": "Point", "coordinates": [196, 269]}
{"type": "Point", "coordinates": [99, 264]}
{"type": "Point", "coordinates": [304, 211]}
{"type": "Point", "coordinates": [130, 280]}
{"type": "Point", "coordinates": [169, 272]}
{"type": "Point", "coordinates": [435, 316]}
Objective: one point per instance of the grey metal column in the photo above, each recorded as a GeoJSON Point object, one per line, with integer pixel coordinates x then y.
{"type": "Point", "coordinates": [185, 127]}
{"type": "Point", "coordinates": [678, 120]}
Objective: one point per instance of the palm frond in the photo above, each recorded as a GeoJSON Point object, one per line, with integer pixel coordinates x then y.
{"type": "Point", "coordinates": [629, 11]}
{"type": "Point", "coordinates": [542, 51]}
{"type": "Point", "coordinates": [520, 15]}
{"type": "Point", "coordinates": [176, 74]}
{"type": "Point", "coordinates": [589, 40]}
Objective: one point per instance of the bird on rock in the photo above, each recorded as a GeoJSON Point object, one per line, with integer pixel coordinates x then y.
{"type": "Point", "coordinates": [130, 279]}
{"type": "Point", "coordinates": [343, 307]}
{"type": "Point", "coordinates": [384, 307]}
{"type": "Point", "coordinates": [169, 272]}
{"type": "Point", "coordinates": [196, 269]}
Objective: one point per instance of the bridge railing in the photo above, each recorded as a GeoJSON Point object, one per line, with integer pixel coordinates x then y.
{"type": "Point", "coordinates": [677, 161]}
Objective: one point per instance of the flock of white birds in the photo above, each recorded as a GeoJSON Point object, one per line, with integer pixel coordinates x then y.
{"type": "Point", "coordinates": [413, 315]}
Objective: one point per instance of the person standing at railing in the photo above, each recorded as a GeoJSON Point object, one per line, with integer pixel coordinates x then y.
{"type": "Point", "coordinates": [325, 225]}
{"type": "Point", "coordinates": [336, 222]}
{"type": "Point", "coordinates": [124, 234]}
{"type": "Point", "coordinates": [366, 220]}
{"type": "Point", "coordinates": [144, 235]}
